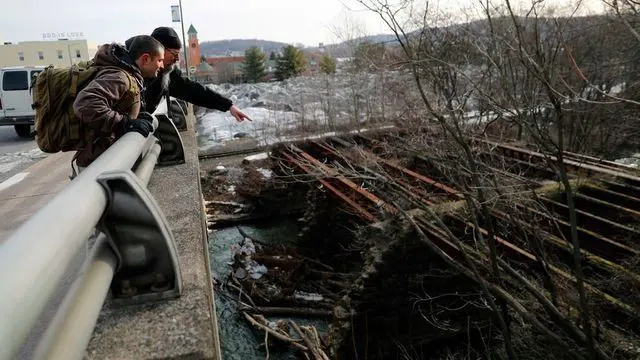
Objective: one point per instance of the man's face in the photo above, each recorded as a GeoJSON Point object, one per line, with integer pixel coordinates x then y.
{"type": "Point", "coordinates": [171, 56]}
{"type": "Point", "coordinates": [151, 64]}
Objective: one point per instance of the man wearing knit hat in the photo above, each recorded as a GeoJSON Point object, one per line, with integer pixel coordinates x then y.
{"type": "Point", "coordinates": [170, 81]}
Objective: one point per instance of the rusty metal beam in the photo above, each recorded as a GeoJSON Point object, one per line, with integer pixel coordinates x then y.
{"type": "Point", "coordinates": [413, 174]}
{"type": "Point", "coordinates": [625, 189]}
{"type": "Point", "coordinates": [363, 212]}
{"type": "Point", "coordinates": [412, 191]}
{"type": "Point", "coordinates": [611, 196]}
{"type": "Point", "coordinates": [631, 214]}
{"type": "Point", "coordinates": [333, 173]}
{"type": "Point", "coordinates": [565, 245]}
{"type": "Point", "coordinates": [525, 255]}
{"type": "Point", "coordinates": [429, 181]}
{"type": "Point", "coordinates": [613, 249]}
{"type": "Point", "coordinates": [447, 189]}
{"type": "Point", "coordinates": [415, 192]}
{"type": "Point", "coordinates": [592, 221]}
{"type": "Point", "coordinates": [601, 162]}
{"type": "Point", "coordinates": [575, 165]}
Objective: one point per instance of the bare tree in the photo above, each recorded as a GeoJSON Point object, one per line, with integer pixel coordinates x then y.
{"type": "Point", "coordinates": [520, 68]}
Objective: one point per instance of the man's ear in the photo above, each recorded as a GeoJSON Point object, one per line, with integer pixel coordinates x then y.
{"type": "Point", "coordinates": [145, 58]}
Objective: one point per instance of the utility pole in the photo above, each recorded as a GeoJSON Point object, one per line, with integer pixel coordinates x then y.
{"type": "Point", "coordinates": [185, 45]}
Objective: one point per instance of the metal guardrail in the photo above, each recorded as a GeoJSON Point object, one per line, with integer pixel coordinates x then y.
{"type": "Point", "coordinates": [133, 256]}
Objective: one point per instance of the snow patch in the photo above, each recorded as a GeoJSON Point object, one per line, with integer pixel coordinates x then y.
{"type": "Point", "coordinates": [306, 105]}
{"type": "Point", "coordinates": [13, 180]}
{"type": "Point", "coordinates": [256, 157]}
{"type": "Point", "coordinates": [266, 173]}
{"type": "Point", "coordinates": [301, 295]}
{"type": "Point", "coordinates": [11, 160]}
{"type": "Point", "coordinates": [632, 162]}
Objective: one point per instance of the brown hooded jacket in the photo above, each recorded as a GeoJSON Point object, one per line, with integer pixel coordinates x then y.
{"type": "Point", "coordinates": [113, 94]}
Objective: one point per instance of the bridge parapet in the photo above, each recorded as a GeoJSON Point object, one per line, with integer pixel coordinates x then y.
{"type": "Point", "coordinates": [185, 327]}
{"type": "Point", "coordinates": [115, 264]}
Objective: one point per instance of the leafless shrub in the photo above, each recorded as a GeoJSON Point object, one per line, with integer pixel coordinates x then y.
{"type": "Point", "coordinates": [516, 68]}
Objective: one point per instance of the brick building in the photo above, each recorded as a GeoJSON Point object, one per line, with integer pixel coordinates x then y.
{"type": "Point", "coordinates": [228, 69]}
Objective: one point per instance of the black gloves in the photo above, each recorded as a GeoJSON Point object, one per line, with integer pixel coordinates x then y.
{"type": "Point", "coordinates": [142, 125]}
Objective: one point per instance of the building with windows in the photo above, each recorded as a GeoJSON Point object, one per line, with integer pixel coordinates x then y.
{"type": "Point", "coordinates": [60, 53]}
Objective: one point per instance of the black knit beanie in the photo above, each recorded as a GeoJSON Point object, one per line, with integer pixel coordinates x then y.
{"type": "Point", "coordinates": [167, 37]}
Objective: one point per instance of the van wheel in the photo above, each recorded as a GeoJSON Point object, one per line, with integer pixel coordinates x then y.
{"type": "Point", "coordinates": [25, 131]}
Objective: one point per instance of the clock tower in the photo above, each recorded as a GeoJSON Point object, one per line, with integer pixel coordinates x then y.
{"type": "Point", "coordinates": [194, 47]}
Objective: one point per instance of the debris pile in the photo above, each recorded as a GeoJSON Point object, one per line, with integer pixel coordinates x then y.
{"type": "Point", "coordinates": [280, 278]}
{"type": "Point", "coordinates": [277, 281]}
{"type": "Point", "coordinates": [409, 250]}
{"type": "Point", "coordinates": [271, 280]}
{"type": "Point", "coordinates": [247, 192]}
{"type": "Point", "coordinates": [511, 249]}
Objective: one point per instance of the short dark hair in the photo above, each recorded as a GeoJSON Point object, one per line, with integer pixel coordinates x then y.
{"type": "Point", "coordinates": [143, 44]}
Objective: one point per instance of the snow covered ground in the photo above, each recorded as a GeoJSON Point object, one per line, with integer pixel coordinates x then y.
{"type": "Point", "coordinates": [15, 153]}
{"type": "Point", "coordinates": [12, 162]}
{"type": "Point", "coordinates": [633, 161]}
{"type": "Point", "coordinates": [311, 107]}
{"type": "Point", "coordinates": [308, 105]}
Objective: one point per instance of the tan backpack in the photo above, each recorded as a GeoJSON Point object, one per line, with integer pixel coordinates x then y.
{"type": "Point", "coordinates": [54, 91]}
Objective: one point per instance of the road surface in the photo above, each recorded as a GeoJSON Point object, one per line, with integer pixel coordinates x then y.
{"type": "Point", "coordinates": [26, 191]}
{"type": "Point", "coordinates": [32, 185]}
{"type": "Point", "coordinates": [16, 153]}
{"type": "Point", "coordinates": [10, 141]}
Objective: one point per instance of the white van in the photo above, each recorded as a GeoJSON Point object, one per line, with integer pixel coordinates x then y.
{"type": "Point", "coordinates": [16, 100]}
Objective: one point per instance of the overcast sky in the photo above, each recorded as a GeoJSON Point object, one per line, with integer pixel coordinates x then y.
{"type": "Point", "coordinates": [304, 21]}
{"type": "Point", "coordinates": [291, 21]}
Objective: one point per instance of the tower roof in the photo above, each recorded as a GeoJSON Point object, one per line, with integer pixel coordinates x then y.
{"type": "Point", "coordinates": [192, 30]}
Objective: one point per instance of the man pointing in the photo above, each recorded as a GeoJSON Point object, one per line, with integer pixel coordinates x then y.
{"type": "Point", "coordinates": [170, 81]}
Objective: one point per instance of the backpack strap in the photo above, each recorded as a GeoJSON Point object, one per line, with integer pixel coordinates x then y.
{"type": "Point", "coordinates": [128, 100]}
{"type": "Point", "coordinates": [133, 84]}
{"type": "Point", "coordinates": [76, 69]}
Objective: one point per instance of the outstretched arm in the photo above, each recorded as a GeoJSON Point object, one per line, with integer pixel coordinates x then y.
{"type": "Point", "coordinates": [197, 94]}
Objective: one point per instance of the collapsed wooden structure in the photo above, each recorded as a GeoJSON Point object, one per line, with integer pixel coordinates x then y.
{"type": "Point", "coordinates": [377, 178]}
{"type": "Point", "coordinates": [423, 232]}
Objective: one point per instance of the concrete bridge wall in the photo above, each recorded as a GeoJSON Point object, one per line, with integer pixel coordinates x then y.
{"type": "Point", "coordinates": [184, 328]}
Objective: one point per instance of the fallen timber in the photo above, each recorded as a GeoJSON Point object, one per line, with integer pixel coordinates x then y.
{"type": "Point", "coordinates": [377, 186]}
{"type": "Point", "coordinates": [606, 195]}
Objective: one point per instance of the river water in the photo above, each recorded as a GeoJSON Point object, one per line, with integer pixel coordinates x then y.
{"type": "Point", "coordinates": [237, 338]}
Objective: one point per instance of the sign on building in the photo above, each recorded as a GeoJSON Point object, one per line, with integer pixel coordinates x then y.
{"type": "Point", "coordinates": [63, 35]}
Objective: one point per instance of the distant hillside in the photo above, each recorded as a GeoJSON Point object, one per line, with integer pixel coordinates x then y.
{"type": "Point", "coordinates": [472, 29]}
{"type": "Point", "coordinates": [346, 48]}
{"type": "Point", "coordinates": [226, 47]}
{"type": "Point", "coordinates": [223, 47]}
